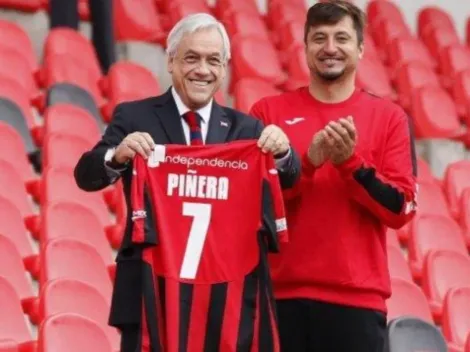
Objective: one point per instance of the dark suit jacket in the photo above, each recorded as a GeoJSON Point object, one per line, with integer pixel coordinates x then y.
{"type": "Point", "coordinates": [160, 118]}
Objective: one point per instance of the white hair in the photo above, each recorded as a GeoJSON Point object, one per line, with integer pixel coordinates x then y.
{"type": "Point", "coordinates": [192, 23]}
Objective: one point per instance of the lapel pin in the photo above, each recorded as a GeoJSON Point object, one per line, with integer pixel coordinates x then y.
{"type": "Point", "coordinates": [223, 123]}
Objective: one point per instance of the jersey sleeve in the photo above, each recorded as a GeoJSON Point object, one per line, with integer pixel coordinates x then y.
{"type": "Point", "coordinates": [274, 217]}
{"type": "Point", "coordinates": [143, 229]}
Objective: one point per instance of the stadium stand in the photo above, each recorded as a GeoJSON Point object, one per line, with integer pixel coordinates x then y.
{"type": "Point", "coordinates": [57, 243]}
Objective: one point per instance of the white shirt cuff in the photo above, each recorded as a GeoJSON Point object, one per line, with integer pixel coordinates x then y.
{"type": "Point", "coordinates": [281, 162]}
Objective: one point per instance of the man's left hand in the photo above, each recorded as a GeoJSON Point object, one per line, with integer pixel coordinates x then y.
{"type": "Point", "coordinates": [341, 139]}
{"type": "Point", "coordinates": [274, 140]}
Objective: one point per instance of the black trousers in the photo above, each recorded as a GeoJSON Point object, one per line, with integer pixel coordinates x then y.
{"type": "Point", "coordinates": [312, 326]}
{"type": "Point", "coordinates": [64, 13]}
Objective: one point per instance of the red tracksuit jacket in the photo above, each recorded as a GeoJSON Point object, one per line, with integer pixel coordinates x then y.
{"type": "Point", "coordinates": [337, 215]}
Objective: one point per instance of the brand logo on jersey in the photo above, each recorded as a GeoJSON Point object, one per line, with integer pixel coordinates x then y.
{"type": "Point", "coordinates": [281, 225]}
{"type": "Point", "coordinates": [139, 214]}
{"type": "Point", "coordinates": [295, 120]}
{"type": "Point", "coordinates": [195, 186]}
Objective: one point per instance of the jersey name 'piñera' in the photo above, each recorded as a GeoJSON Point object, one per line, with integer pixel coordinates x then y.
{"type": "Point", "coordinates": [207, 216]}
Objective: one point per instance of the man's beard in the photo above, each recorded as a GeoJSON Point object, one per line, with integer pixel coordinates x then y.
{"type": "Point", "coordinates": [330, 76]}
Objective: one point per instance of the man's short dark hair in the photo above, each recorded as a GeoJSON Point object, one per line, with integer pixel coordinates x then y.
{"type": "Point", "coordinates": [330, 12]}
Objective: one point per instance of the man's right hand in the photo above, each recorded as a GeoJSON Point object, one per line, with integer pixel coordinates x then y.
{"type": "Point", "coordinates": [317, 151]}
{"type": "Point", "coordinates": [134, 143]}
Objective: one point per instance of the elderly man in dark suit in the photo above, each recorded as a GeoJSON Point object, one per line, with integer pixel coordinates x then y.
{"type": "Point", "coordinates": [198, 51]}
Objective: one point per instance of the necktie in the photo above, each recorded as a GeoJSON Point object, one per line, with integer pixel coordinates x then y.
{"type": "Point", "coordinates": [194, 122]}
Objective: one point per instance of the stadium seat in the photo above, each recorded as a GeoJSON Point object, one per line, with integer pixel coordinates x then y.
{"type": "Point", "coordinates": [249, 91]}
{"type": "Point", "coordinates": [12, 227]}
{"type": "Point", "coordinates": [461, 93]}
{"type": "Point", "coordinates": [453, 60]}
{"type": "Point", "coordinates": [70, 219]}
{"type": "Point", "coordinates": [72, 333]}
{"type": "Point", "coordinates": [180, 9]}
{"type": "Point", "coordinates": [246, 25]}
{"type": "Point", "coordinates": [72, 120]}
{"type": "Point", "coordinates": [370, 49]}
{"type": "Point", "coordinates": [247, 54]}
{"type": "Point", "coordinates": [397, 264]}
{"type": "Point", "coordinates": [8, 345]}
{"type": "Point", "coordinates": [225, 8]}
{"type": "Point", "coordinates": [442, 271]}
{"type": "Point", "coordinates": [456, 179]}
{"type": "Point", "coordinates": [392, 238]}
{"type": "Point", "coordinates": [127, 81]}
{"type": "Point", "coordinates": [74, 259]}
{"type": "Point", "coordinates": [15, 66]}
{"type": "Point", "coordinates": [465, 216]}
{"type": "Point", "coordinates": [22, 5]}
{"type": "Point", "coordinates": [411, 77]}
{"type": "Point", "coordinates": [297, 69]}
{"type": "Point", "coordinates": [408, 334]}
{"type": "Point", "coordinates": [379, 10]}
{"type": "Point", "coordinates": [407, 300]}
{"type": "Point", "coordinates": [282, 13]}
{"type": "Point", "coordinates": [430, 232]}
{"type": "Point", "coordinates": [438, 39]}
{"type": "Point", "coordinates": [72, 296]}
{"type": "Point", "coordinates": [456, 316]}
{"type": "Point", "coordinates": [435, 115]}
{"type": "Point", "coordinates": [12, 323]}
{"type": "Point", "coordinates": [63, 150]}
{"type": "Point", "coordinates": [430, 17]}
{"type": "Point", "coordinates": [13, 189]}
{"type": "Point", "coordinates": [403, 51]}
{"type": "Point", "coordinates": [11, 140]}
{"type": "Point", "coordinates": [58, 184]}
{"type": "Point", "coordinates": [64, 68]}
{"type": "Point", "coordinates": [372, 76]}
{"type": "Point", "coordinates": [291, 35]}
{"type": "Point", "coordinates": [138, 21]}
{"type": "Point", "coordinates": [13, 36]}
{"type": "Point", "coordinates": [71, 94]}
{"type": "Point", "coordinates": [387, 31]}
{"type": "Point", "coordinates": [13, 270]}
{"type": "Point", "coordinates": [425, 175]}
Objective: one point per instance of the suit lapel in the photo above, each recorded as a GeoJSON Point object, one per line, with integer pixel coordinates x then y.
{"type": "Point", "coordinates": [168, 115]}
{"type": "Point", "coordinates": [219, 125]}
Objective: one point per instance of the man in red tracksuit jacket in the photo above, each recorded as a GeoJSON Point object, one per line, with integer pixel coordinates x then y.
{"type": "Point", "coordinates": [331, 280]}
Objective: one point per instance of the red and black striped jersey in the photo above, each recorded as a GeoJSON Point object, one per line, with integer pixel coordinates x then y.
{"type": "Point", "coordinates": [207, 216]}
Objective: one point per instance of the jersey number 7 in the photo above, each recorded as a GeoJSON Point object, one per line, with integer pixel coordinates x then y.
{"type": "Point", "coordinates": [201, 214]}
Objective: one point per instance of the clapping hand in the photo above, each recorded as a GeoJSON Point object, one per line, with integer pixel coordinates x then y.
{"type": "Point", "coordinates": [341, 137]}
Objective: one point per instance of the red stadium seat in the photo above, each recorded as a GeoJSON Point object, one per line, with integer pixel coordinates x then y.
{"type": "Point", "coordinates": [246, 25]}
{"type": "Point", "coordinates": [71, 120]}
{"type": "Point", "coordinates": [22, 5]}
{"type": "Point", "coordinates": [64, 150]}
{"type": "Point", "coordinates": [127, 81]}
{"type": "Point", "coordinates": [73, 259]}
{"type": "Point", "coordinates": [387, 31]}
{"type": "Point", "coordinates": [431, 17]}
{"type": "Point", "coordinates": [12, 227]}
{"type": "Point", "coordinates": [444, 270]}
{"type": "Point", "coordinates": [249, 91]}
{"type": "Point", "coordinates": [430, 232]}
{"type": "Point", "coordinates": [282, 13]}
{"type": "Point", "coordinates": [380, 10]}
{"type": "Point", "coordinates": [63, 68]}
{"type": "Point", "coordinates": [453, 60]}
{"type": "Point", "coordinates": [397, 264]}
{"type": "Point", "coordinates": [8, 345]}
{"type": "Point", "coordinates": [407, 300]}
{"type": "Point", "coordinates": [180, 9]}
{"type": "Point", "coordinates": [13, 189]}
{"type": "Point", "coordinates": [225, 8]}
{"type": "Point", "coordinates": [455, 316]}
{"type": "Point", "coordinates": [297, 69]}
{"type": "Point", "coordinates": [138, 21]}
{"type": "Point", "coordinates": [461, 93]}
{"type": "Point", "coordinates": [425, 175]}
{"type": "Point", "coordinates": [13, 36]}
{"type": "Point", "coordinates": [12, 269]}
{"type": "Point", "coordinates": [72, 296]}
{"type": "Point", "coordinates": [402, 51]}
{"type": "Point", "coordinates": [10, 140]}
{"type": "Point", "coordinates": [247, 54]}
{"type": "Point", "coordinates": [14, 65]}
{"type": "Point", "coordinates": [372, 76]}
{"type": "Point", "coordinates": [71, 219]}
{"type": "Point", "coordinates": [410, 78]}
{"type": "Point", "coordinates": [370, 49]}
{"type": "Point", "coordinates": [12, 323]}
{"type": "Point", "coordinates": [291, 35]}
{"type": "Point", "coordinates": [465, 216]}
{"type": "Point", "coordinates": [438, 39]}
{"type": "Point", "coordinates": [456, 179]}
{"type": "Point", "coordinates": [72, 333]}
{"type": "Point", "coordinates": [435, 114]}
